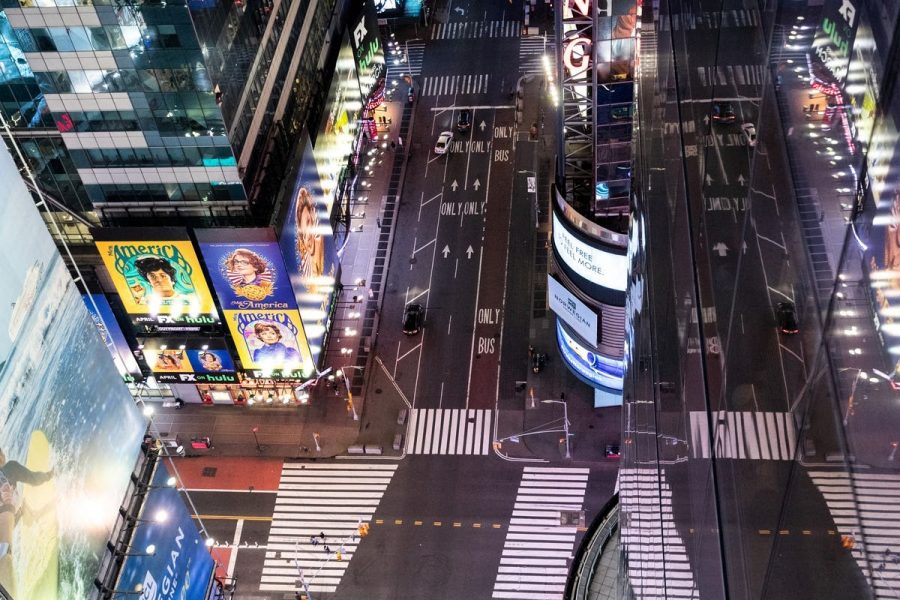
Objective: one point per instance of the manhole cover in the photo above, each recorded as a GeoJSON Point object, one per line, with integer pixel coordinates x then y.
{"type": "Point", "coordinates": [377, 390]}
{"type": "Point", "coordinates": [209, 471]}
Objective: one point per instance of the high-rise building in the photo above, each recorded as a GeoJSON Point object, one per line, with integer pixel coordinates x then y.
{"type": "Point", "coordinates": [761, 387]}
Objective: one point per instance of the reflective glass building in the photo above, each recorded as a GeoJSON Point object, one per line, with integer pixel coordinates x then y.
{"type": "Point", "coordinates": [761, 403]}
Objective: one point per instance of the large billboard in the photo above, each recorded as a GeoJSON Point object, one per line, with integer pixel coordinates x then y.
{"type": "Point", "coordinates": [70, 432]}
{"type": "Point", "coordinates": [168, 559]}
{"type": "Point", "coordinates": [157, 275]}
{"type": "Point", "coordinates": [112, 336]}
{"type": "Point", "coordinates": [308, 247]}
{"type": "Point", "coordinates": [578, 315]}
{"type": "Point", "coordinates": [595, 369]}
{"type": "Point", "coordinates": [367, 49]}
{"type": "Point", "coordinates": [188, 360]}
{"type": "Point", "coordinates": [595, 265]}
{"type": "Point", "coordinates": [269, 340]}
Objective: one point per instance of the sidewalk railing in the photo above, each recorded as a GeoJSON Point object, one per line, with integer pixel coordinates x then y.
{"type": "Point", "coordinates": [584, 565]}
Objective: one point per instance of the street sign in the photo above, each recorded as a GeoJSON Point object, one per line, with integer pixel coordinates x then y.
{"type": "Point", "coordinates": [532, 185]}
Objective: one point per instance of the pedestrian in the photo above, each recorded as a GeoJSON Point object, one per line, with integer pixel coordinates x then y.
{"type": "Point", "coordinates": [322, 535]}
{"type": "Point", "coordinates": [393, 145]}
{"type": "Point", "coordinates": [313, 540]}
{"type": "Point", "coordinates": [327, 549]}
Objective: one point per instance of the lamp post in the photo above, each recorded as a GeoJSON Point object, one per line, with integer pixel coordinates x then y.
{"type": "Point", "coordinates": [340, 374]}
{"type": "Point", "coordinates": [565, 421]}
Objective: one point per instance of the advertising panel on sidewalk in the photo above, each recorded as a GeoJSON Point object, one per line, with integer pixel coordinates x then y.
{"type": "Point", "coordinates": [309, 249]}
{"type": "Point", "coordinates": [112, 336]}
{"type": "Point", "coordinates": [167, 559]}
{"type": "Point", "coordinates": [158, 276]}
{"type": "Point", "coordinates": [70, 432]}
{"type": "Point", "coordinates": [191, 360]}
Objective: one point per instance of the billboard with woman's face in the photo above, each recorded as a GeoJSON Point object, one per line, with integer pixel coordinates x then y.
{"type": "Point", "coordinates": [270, 340]}
{"type": "Point", "coordinates": [70, 432]}
{"type": "Point", "coordinates": [156, 277]}
{"type": "Point", "coordinates": [202, 360]}
{"type": "Point", "coordinates": [308, 247]}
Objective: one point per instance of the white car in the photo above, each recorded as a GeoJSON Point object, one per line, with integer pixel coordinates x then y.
{"type": "Point", "coordinates": [443, 142]}
{"type": "Point", "coordinates": [749, 130]}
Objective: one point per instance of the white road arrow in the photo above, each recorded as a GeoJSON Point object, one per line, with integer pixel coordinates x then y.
{"type": "Point", "coordinates": [476, 185]}
{"type": "Point", "coordinates": [454, 185]}
{"type": "Point", "coordinates": [483, 125]}
{"type": "Point", "coordinates": [469, 252]}
{"type": "Point", "coordinates": [708, 179]}
{"type": "Point", "coordinates": [445, 251]}
{"type": "Point", "coordinates": [721, 249]}
{"type": "Point", "coordinates": [706, 120]}
{"type": "Point", "coordinates": [459, 10]}
{"type": "Point", "coordinates": [741, 179]}
{"type": "Point", "coordinates": [744, 247]}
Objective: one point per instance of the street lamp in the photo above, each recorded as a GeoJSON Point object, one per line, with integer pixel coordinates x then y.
{"type": "Point", "coordinates": [340, 374]}
{"type": "Point", "coordinates": [565, 421]}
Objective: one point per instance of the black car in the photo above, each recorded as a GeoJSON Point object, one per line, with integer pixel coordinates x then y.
{"type": "Point", "coordinates": [787, 318]}
{"type": "Point", "coordinates": [464, 122]}
{"type": "Point", "coordinates": [723, 113]}
{"type": "Point", "coordinates": [613, 451]}
{"type": "Point", "coordinates": [412, 318]}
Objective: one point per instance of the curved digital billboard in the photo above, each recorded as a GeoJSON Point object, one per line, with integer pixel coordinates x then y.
{"type": "Point", "coordinates": [600, 273]}
{"type": "Point", "coordinates": [594, 369]}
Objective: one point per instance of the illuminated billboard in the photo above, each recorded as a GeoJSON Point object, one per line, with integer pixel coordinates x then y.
{"type": "Point", "coordinates": [578, 315]}
{"type": "Point", "coordinates": [167, 559]}
{"type": "Point", "coordinates": [270, 340]}
{"type": "Point", "coordinates": [308, 248]}
{"type": "Point", "coordinates": [70, 432]}
{"type": "Point", "coordinates": [188, 360]}
{"type": "Point", "coordinates": [367, 49]}
{"type": "Point", "coordinates": [595, 265]}
{"type": "Point", "coordinates": [157, 274]}
{"type": "Point", "coordinates": [112, 336]}
{"type": "Point", "coordinates": [595, 369]}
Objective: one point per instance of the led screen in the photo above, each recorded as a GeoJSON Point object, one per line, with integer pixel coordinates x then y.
{"type": "Point", "coordinates": [598, 370]}
{"type": "Point", "coordinates": [594, 264]}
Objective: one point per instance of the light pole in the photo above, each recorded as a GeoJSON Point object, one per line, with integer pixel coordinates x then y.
{"type": "Point", "coordinates": [340, 374]}
{"type": "Point", "coordinates": [565, 421]}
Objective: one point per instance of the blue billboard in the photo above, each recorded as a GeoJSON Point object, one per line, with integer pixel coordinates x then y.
{"type": "Point", "coordinates": [167, 558]}
{"type": "Point", "coordinates": [70, 432]}
{"type": "Point", "coordinates": [596, 370]}
{"type": "Point", "coordinates": [112, 336]}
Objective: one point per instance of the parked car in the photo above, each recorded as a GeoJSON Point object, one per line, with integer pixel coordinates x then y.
{"type": "Point", "coordinates": [464, 121]}
{"type": "Point", "coordinates": [613, 451]}
{"type": "Point", "coordinates": [412, 318]}
{"type": "Point", "coordinates": [749, 131]}
{"type": "Point", "coordinates": [442, 146]}
{"type": "Point", "coordinates": [787, 318]}
{"type": "Point", "coordinates": [723, 113]}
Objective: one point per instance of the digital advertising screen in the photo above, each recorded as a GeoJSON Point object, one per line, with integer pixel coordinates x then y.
{"type": "Point", "coordinates": [578, 315]}
{"type": "Point", "coordinates": [309, 249]}
{"type": "Point", "coordinates": [112, 336]}
{"type": "Point", "coordinates": [180, 360]}
{"type": "Point", "coordinates": [595, 265]}
{"type": "Point", "coordinates": [270, 340]}
{"type": "Point", "coordinates": [596, 370]}
{"type": "Point", "coordinates": [70, 432]}
{"type": "Point", "coordinates": [367, 49]}
{"type": "Point", "coordinates": [159, 277]}
{"type": "Point", "coordinates": [168, 559]}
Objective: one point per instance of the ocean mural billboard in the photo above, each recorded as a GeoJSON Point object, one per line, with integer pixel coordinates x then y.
{"type": "Point", "coordinates": [308, 246]}
{"type": "Point", "coordinates": [70, 432]}
{"type": "Point", "coordinates": [158, 277]}
{"type": "Point", "coordinates": [169, 559]}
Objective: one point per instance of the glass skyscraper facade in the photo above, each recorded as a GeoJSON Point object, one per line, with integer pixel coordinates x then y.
{"type": "Point", "coordinates": [761, 389]}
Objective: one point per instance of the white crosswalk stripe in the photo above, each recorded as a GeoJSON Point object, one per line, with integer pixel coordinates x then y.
{"type": "Point", "coordinates": [414, 53]}
{"type": "Point", "coordinates": [535, 554]}
{"type": "Point", "coordinates": [531, 52]}
{"type": "Point", "coordinates": [447, 85]}
{"type": "Point", "coordinates": [647, 527]}
{"type": "Point", "coordinates": [729, 75]}
{"type": "Point", "coordinates": [867, 509]}
{"type": "Point", "coordinates": [744, 434]}
{"type": "Point", "coordinates": [450, 431]}
{"type": "Point", "coordinates": [320, 497]}
{"type": "Point", "coordinates": [458, 30]}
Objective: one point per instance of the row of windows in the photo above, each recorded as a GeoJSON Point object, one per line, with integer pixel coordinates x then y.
{"type": "Point", "coordinates": [124, 80]}
{"type": "Point", "coordinates": [186, 120]}
{"type": "Point", "coordinates": [82, 39]}
{"type": "Point", "coordinates": [48, 3]}
{"type": "Point", "coordinates": [203, 156]}
{"type": "Point", "coordinates": [166, 192]}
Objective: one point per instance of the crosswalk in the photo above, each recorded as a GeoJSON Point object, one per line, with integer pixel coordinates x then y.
{"type": "Point", "coordinates": [711, 20]}
{"type": "Point", "coordinates": [648, 526]}
{"type": "Point", "coordinates": [866, 508]}
{"type": "Point", "coordinates": [537, 548]}
{"type": "Point", "coordinates": [414, 54]}
{"type": "Point", "coordinates": [531, 52]}
{"type": "Point", "coordinates": [331, 498]}
{"type": "Point", "coordinates": [447, 85]}
{"type": "Point", "coordinates": [744, 434]}
{"type": "Point", "coordinates": [450, 431]}
{"type": "Point", "coordinates": [721, 75]}
{"type": "Point", "coordinates": [459, 30]}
